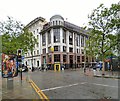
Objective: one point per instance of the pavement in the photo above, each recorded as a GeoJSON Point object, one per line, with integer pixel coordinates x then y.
{"type": "Point", "coordinates": [15, 89]}
{"type": "Point", "coordinates": [107, 74]}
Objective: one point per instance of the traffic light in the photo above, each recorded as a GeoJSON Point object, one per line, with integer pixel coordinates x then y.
{"type": "Point", "coordinates": [19, 55]}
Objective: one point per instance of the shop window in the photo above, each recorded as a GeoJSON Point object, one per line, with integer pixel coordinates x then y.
{"type": "Point", "coordinates": [64, 58]}
{"type": "Point", "coordinates": [44, 59]}
{"type": "Point", "coordinates": [57, 58]}
{"type": "Point", "coordinates": [78, 58]}
{"type": "Point", "coordinates": [49, 58]}
{"type": "Point", "coordinates": [83, 59]}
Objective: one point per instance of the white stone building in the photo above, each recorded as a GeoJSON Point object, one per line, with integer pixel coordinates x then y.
{"type": "Point", "coordinates": [35, 26]}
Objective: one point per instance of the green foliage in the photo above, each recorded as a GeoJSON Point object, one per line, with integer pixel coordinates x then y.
{"type": "Point", "coordinates": [104, 24]}
{"type": "Point", "coordinates": [14, 37]}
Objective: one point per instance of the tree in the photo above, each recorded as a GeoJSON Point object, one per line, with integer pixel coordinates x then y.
{"type": "Point", "coordinates": [15, 36]}
{"type": "Point", "coordinates": [29, 39]}
{"type": "Point", "coordinates": [104, 24]}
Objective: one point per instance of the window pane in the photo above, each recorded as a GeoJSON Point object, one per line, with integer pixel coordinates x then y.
{"type": "Point", "coordinates": [64, 58]}
{"type": "Point", "coordinates": [56, 48]}
{"type": "Point", "coordinates": [44, 51]}
{"type": "Point", "coordinates": [78, 58]}
{"type": "Point", "coordinates": [49, 37]}
{"type": "Point", "coordinates": [64, 36]}
{"type": "Point", "coordinates": [43, 40]}
{"type": "Point", "coordinates": [70, 49]}
{"type": "Point", "coordinates": [57, 58]}
{"type": "Point", "coordinates": [64, 48]}
{"type": "Point", "coordinates": [70, 38]}
{"type": "Point", "coordinates": [49, 58]}
{"type": "Point", "coordinates": [82, 58]}
{"type": "Point", "coordinates": [82, 41]}
{"type": "Point", "coordinates": [56, 35]}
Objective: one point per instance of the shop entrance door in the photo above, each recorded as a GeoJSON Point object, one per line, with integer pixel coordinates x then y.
{"type": "Point", "coordinates": [71, 61]}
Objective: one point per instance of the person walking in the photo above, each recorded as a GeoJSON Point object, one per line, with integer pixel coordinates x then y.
{"type": "Point", "coordinates": [84, 69]}
{"type": "Point", "coordinates": [100, 66]}
{"type": "Point", "coordinates": [108, 65]}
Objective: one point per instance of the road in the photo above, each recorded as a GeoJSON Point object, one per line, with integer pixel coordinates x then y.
{"type": "Point", "coordinates": [73, 84]}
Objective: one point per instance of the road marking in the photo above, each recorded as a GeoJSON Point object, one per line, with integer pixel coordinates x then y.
{"type": "Point", "coordinates": [62, 86]}
{"type": "Point", "coordinates": [39, 92]}
{"type": "Point", "coordinates": [49, 89]}
{"type": "Point", "coordinates": [103, 85]}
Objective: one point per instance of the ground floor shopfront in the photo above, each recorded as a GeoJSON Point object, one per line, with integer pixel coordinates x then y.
{"type": "Point", "coordinates": [67, 60]}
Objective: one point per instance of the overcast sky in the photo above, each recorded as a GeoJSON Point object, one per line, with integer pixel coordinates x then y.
{"type": "Point", "coordinates": [76, 11]}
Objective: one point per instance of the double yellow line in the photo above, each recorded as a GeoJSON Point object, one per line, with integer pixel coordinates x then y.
{"type": "Point", "coordinates": [39, 92]}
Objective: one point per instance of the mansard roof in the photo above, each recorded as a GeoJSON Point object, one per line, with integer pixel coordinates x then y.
{"type": "Point", "coordinates": [67, 25]}
{"type": "Point", "coordinates": [34, 21]}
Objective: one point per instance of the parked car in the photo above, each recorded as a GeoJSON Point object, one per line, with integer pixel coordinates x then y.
{"type": "Point", "coordinates": [98, 65]}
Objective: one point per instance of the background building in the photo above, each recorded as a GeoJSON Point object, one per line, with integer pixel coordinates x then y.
{"type": "Point", "coordinates": [35, 26]}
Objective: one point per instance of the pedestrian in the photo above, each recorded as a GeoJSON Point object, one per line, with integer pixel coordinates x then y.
{"type": "Point", "coordinates": [63, 67]}
{"type": "Point", "coordinates": [108, 65]}
{"type": "Point", "coordinates": [84, 69]}
{"type": "Point", "coordinates": [100, 66]}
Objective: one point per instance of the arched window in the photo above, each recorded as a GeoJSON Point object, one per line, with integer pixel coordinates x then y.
{"type": "Point", "coordinates": [56, 22]}
{"type": "Point", "coordinates": [59, 23]}
{"type": "Point", "coordinates": [53, 23]}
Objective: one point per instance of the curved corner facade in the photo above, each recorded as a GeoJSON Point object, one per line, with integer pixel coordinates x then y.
{"type": "Point", "coordinates": [61, 43]}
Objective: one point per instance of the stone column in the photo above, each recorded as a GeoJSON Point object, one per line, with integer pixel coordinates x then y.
{"type": "Point", "coordinates": [46, 35]}
{"type": "Point", "coordinates": [67, 41]}
{"type": "Point", "coordinates": [61, 40]}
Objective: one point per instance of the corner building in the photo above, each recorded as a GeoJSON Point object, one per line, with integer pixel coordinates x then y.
{"type": "Point", "coordinates": [62, 43]}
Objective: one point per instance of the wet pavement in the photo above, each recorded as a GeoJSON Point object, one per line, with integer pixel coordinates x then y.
{"type": "Point", "coordinates": [14, 88]}
{"type": "Point", "coordinates": [107, 74]}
